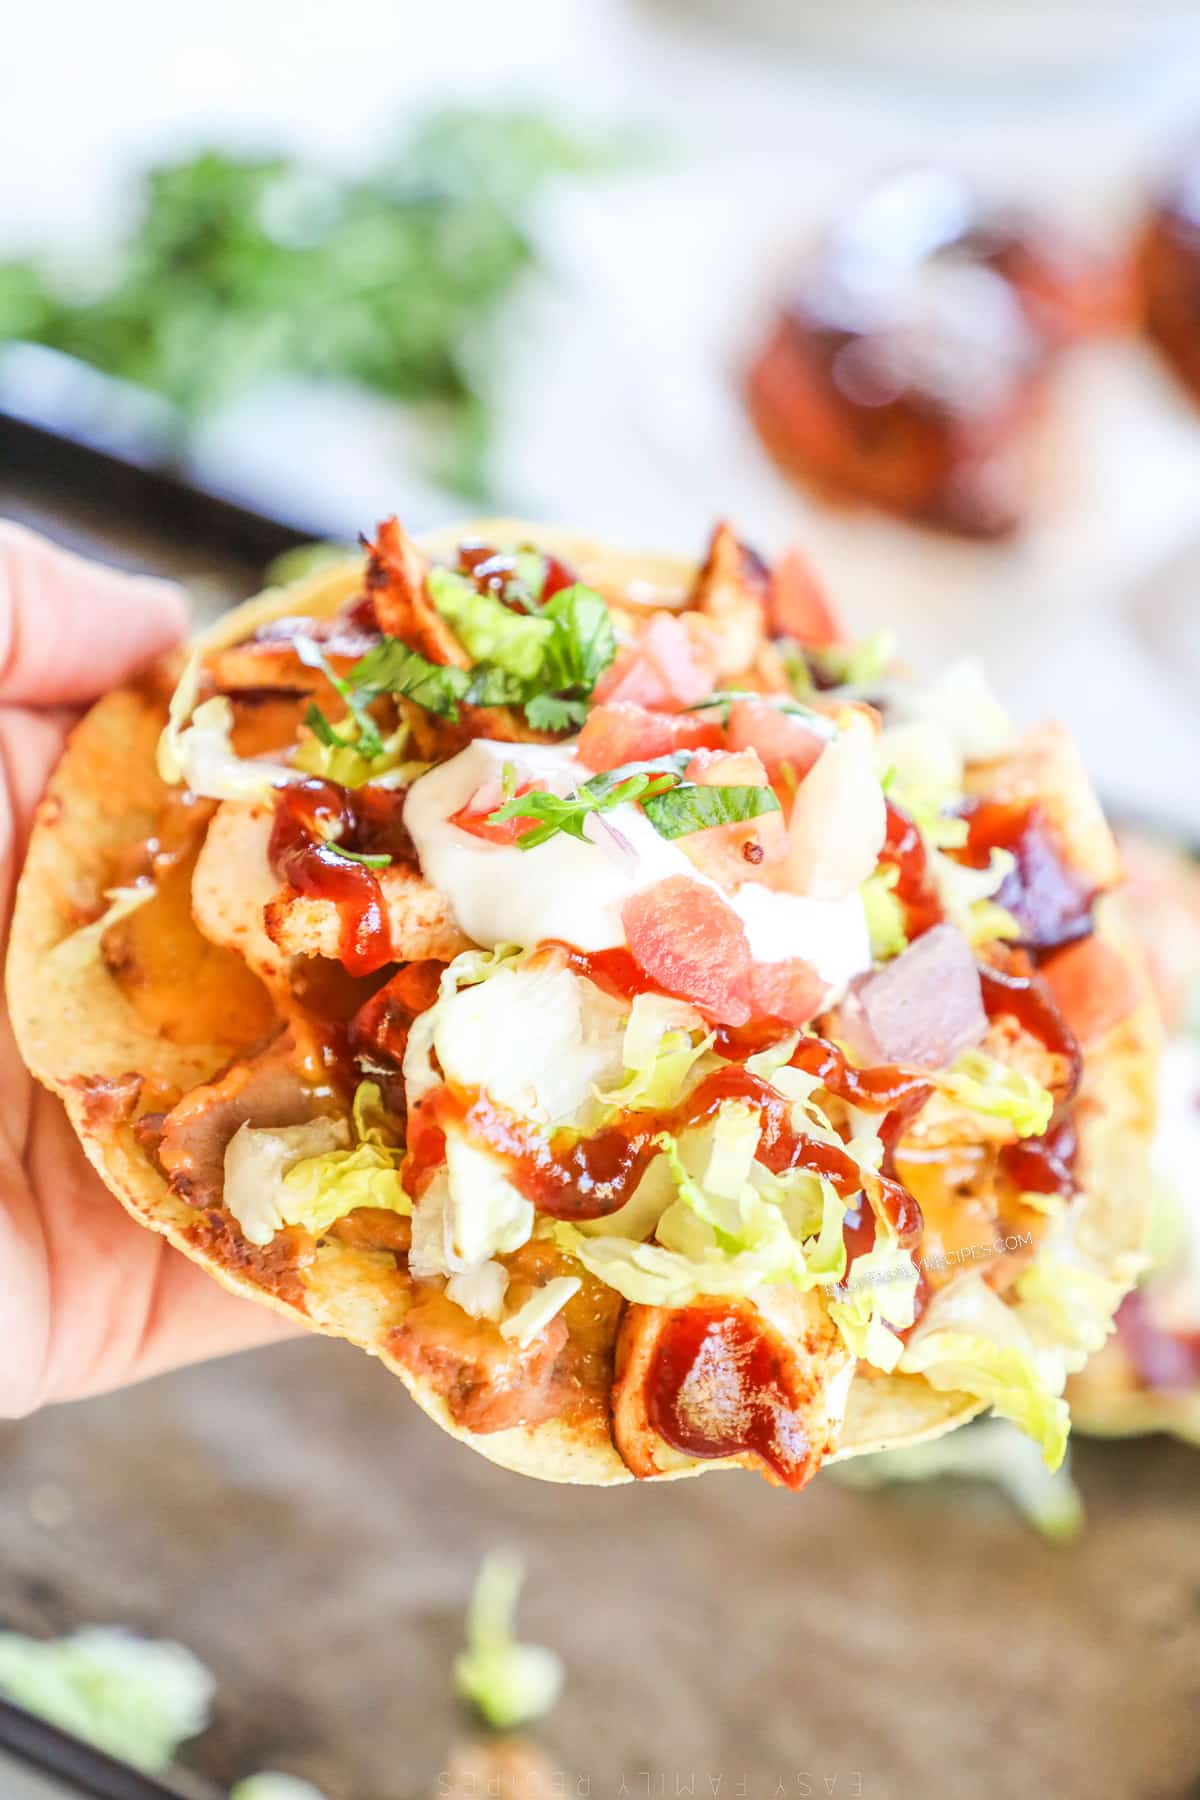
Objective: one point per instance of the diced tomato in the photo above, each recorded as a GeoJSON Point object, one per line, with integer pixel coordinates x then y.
{"type": "Point", "coordinates": [797, 605]}
{"type": "Point", "coordinates": [724, 768]}
{"type": "Point", "coordinates": [1094, 986]}
{"type": "Point", "coordinates": [622, 732]}
{"type": "Point", "coordinates": [667, 668]}
{"type": "Point", "coordinates": [475, 816]}
{"type": "Point", "coordinates": [784, 742]}
{"type": "Point", "coordinates": [743, 851]}
{"type": "Point", "coordinates": [790, 990]}
{"type": "Point", "coordinates": [693, 945]}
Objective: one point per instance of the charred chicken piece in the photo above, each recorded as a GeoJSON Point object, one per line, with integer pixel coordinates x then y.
{"type": "Point", "coordinates": [909, 365]}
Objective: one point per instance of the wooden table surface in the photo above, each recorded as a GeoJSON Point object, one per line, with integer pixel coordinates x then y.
{"type": "Point", "coordinates": [295, 1520]}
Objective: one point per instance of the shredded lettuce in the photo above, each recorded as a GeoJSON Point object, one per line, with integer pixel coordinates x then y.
{"type": "Point", "coordinates": [967, 894]}
{"type": "Point", "coordinates": [970, 1342]}
{"type": "Point", "coordinates": [179, 711]}
{"type": "Point", "coordinates": [924, 767]}
{"type": "Point", "coordinates": [1005, 1378]}
{"type": "Point", "coordinates": [196, 750]}
{"type": "Point", "coordinates": [341, 759]}
{"type": "Point", "coordinates": [988, 1450]}
{"type": "Point", "coordinates": [985, 1085]}
{"type": "Point", "coordinates": [471, 966]}
{"type": "Point", "coordinates": [885, 914]}
{"type": "Point", "coordinates": [766, 1064]}
{"type": "Point", "coordinates": [84, 946]}
{"type": "Point", "coordinates": [544, 1074]}
{"type": "Point", "coordinates": [509, 1683]}
{"type": "Point", "coordinates": [721, 1242]}
{"type": "Point", "coordinates": [489, 631]}
{"type": "Point", "coordinates": [487, 1214]}
{"type": "Point", "coordinates": [653, 1275]}
{"type": "Point", "coordinates": [880, 1294]}
{"type": "Point", "coordinates": [132, 1697]}
{"type": "Point", "coordinates": [480, 1291]}
{"type": "Point", "coordinates": [311, 1174]}
{"type": "Point", "coordinates": [960, 702]}
{"type": "Point", "coordinates": [854, 665]}
{"type": "Point", "coordinates": [1066, 1304]}
{"type": "Point", "coordinates": [658, 1053]}
{"type": "Point", "coordinates": [273, 1785]}
{"type": "Point", "coordinates": [531, 1319]}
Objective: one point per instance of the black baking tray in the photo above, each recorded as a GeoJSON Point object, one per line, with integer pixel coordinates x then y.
{"type": "Point", "coordinates": [72, 1768]}
{"type": "Point", "coordinates": [66, 428]}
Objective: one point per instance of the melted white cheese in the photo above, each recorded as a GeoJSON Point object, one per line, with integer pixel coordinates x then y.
{"type": "Point", "coordinates": [574, 890]}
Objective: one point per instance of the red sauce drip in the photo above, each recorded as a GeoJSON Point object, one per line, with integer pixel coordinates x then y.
{"type": "Point", "coordinates": [1027, 999]}
{"type": "Point", "coordinates": [904, 849]}
{"type": "Point", "coordinates": [308, 814]}
{"type": "Point", "coordinates": [858, 1233]}
{"type": "Point", "coordinates": [1049, 900]}
{"type": "Point", "coordinates": [1046, 1164]}
{"type": "Point", "coordinates": [1163, 1359]}
{"type": "Point", "coordinates": [720, 1386]}
{"type": "Point", "coordinates": [591, 1177]}
{"type": "Point", "coordinates": [491, 570]}
{"type": "Point", "coordinates": [615, 973]}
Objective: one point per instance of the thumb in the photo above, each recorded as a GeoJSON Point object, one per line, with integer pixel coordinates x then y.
{"type": "Point", "coordinates": [71, 629]}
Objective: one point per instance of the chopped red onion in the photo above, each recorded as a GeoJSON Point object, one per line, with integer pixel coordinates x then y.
{"type": "Point", "coordinates": [607, 837]}
{"type": "Point", "coordinates": [924, 1009]}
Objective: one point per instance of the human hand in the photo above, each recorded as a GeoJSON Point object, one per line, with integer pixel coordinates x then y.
{"type": "Point", "coordinates": [89, 1300]}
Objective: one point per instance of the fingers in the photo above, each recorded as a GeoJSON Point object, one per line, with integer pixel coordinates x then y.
{"type": "Point", "coordinates": [71, 629]}
{"type": "Point", "coordinates": [90, 1300]}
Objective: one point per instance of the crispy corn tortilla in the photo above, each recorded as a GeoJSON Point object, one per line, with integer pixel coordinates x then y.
{"type": "Point", "coordinates": [74, 1024]}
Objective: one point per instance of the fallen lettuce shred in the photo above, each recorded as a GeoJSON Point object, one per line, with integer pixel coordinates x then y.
{"type": "Point", "coordinates": [984, 1084]}
{"type": "Point", "coordinates": [970, 1342]}
{"type": "Point", "coordinates": [507, 1682]}
{"type": "Point", "coordinates": [990, 1450]}
{"type": "Point", "coordinates": [1064, 1303]}
{"type": "Point", "coordinates": [272, 1784]}
{"type": "Point", "coordinates": [135, 1698]}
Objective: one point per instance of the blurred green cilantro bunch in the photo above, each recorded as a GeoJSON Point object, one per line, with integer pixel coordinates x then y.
{"type": "Point", "coordinates": [239, 268]}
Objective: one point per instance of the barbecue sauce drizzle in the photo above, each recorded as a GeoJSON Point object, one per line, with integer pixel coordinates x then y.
{"type": "Point", "coordinates": [592, 1177]}
{"type": "Point", "coordinates": [722, 1386]}
{"type": "Point", "coordinates": [313, 818]}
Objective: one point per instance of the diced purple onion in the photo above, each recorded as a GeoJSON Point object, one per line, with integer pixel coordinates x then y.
{"type": "Point", "coordinates": [922, 1010]}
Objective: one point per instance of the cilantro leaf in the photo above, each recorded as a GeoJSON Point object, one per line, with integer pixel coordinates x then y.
{"type": "Point", "coordinates": [687, 808]}
{"type": "Point", "coordinates": [370, 861]}
{"type": "Point", "coordinates": [368, 743]}
{"type": "Point", "coordinates": [584, 642]}
{"type": "Point", "coordinates": [392, 668]}
{"type": "Point", "coordinates": [553, 813]}
{"type": "Point", "coordinates": [783, 703]}
{"type": "Point", "coordinates": [554, 712]}
{"type": "Point", "coordinates": [322, 730]}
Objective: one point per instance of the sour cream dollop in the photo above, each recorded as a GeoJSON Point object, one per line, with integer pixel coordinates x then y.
{"type": "Point", "coordinates": [574, 891]}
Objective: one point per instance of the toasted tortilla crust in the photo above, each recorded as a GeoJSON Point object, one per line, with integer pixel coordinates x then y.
{"type": "Point", "coordinates": [77, 1032]}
